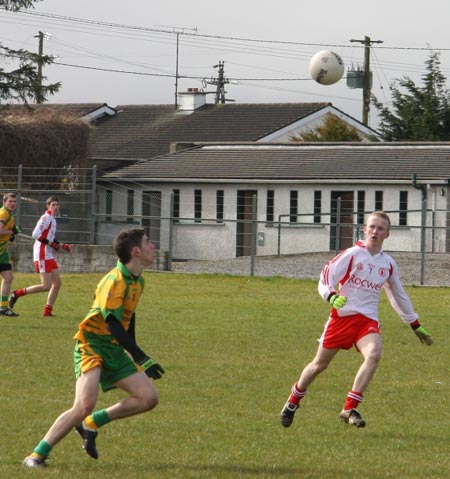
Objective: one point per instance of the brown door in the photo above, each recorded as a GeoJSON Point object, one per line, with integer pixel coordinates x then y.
{"type": "Point", "coordinates": [244, 225]}
{"type": "Point", "coordinates": [341, 235]}
{"type": "Point", "coordinates": [151, 215]}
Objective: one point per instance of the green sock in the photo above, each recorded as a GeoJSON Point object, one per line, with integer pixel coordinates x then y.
{"type": "Point", "coordinates": [100, 418]}
{"type": "Point", "coordinates": [43, 449]}
{"type": "Point", "coordinates": [4, 303]}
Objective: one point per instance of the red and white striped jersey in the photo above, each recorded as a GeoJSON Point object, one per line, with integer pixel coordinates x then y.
{"type": "Point", "coordinates": [361, 277]}
{"type": "Point", "coordinates": [45, 229]}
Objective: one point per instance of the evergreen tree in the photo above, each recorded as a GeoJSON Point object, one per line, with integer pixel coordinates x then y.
{"type": "Point", "coordinates": [419, 113]}
{"type": "Point", "coordinates": [24, 82]}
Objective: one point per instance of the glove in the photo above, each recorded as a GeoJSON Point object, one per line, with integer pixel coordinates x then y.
{"type": "Point", "coordinates": [17, 229]}
{"type": "Point", "coordinates": [338, 301]}
{"type": "Point", "coordinates": [54, 245]}
{"type": "Point", "coordinates": [423, 335]}
{"type": "Point", "coordinates": [66, 247]}
{"type": "Point", "coordinates": [151, 368]}
{"type": "Point", "coordinates": [12, 238]}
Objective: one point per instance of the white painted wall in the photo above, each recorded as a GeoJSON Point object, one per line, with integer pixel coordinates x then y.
{"type": "Point", "coordinates": [210, 240]}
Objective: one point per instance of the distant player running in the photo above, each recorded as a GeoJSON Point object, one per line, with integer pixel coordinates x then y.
{"type": "Point", "coordinates": [106, 352]}
{"type": "Point", "coordinates": [44, 258]}
{"type": "Point", "coordinates": [361, 273]}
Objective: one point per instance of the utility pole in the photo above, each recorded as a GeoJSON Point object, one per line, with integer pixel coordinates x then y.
{"type": "Point", "coordinates": [367, 85]}
{"type": "Point", "coordinates": [177, 31]}
{"type": "Point", "coordinates": [220, 83]}
{"type": "Point", "coordinates": [40, 36]}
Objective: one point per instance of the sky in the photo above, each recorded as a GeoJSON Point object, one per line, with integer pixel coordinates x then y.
{"type": "Point", "coordinates": [119, 53]}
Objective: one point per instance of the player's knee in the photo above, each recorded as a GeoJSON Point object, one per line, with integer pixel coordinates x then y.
{"type": "Point", "coordinates": [374, 356]}
{"type": "Point", "coordinates": [85, 408]}
{"type": "Point", "coordinates": [150, 401]}
{"type": "Point", "coordinates": [320, 366]}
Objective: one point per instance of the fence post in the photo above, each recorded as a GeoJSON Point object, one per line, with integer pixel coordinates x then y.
{"type": "Point", "coordinates": [254, 234]}
{"type": "Point", "coordinates": [19, 191]}
{"type": "Point", "coordinates": [338, 225]}
{"type": "Point", "coordinates": [93, 205]}
{"type": "Point", "coordinates": [422, 240]}
{"type": "Point", "coordinates": [279, 235]}
{"type": "Point", "coordinates": [169, 252]}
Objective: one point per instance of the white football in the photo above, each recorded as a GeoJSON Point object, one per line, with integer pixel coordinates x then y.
{"type": "Point", "coordinates": [326, 67]}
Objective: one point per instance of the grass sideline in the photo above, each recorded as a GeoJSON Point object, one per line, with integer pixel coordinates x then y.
{"type": "Point", "coordinates": [231, 348]}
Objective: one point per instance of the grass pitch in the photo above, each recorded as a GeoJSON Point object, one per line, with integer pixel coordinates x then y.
{"type": "Point", "coordinates": [231, 347]}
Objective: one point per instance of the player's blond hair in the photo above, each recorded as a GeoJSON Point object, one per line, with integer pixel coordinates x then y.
{"type": "Point", "coordinates": [382, 215]}
{"type": "Point", "coordinates": [9, 195]}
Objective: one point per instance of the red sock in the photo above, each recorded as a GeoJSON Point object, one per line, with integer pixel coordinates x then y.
{"type": "Point", "coordinates": [296, 394]}
{"type": "Point", "coordinates": [353, 399]}
{"type": "Point", "coordinates": [20, 292]}
{"type": "Point", "coordinates": [48, 310]}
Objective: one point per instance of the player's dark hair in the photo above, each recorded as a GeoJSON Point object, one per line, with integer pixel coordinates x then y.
{"type": "Point", "coordinates": [51, 199]}
{"type": "Point", "coordinates": [125, 241]}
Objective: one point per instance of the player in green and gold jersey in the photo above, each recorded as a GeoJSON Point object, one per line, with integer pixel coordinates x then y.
{"type": "Point", "coordinates": [8, 230]}
{"type": "Point", "coordinates": [106, 352]}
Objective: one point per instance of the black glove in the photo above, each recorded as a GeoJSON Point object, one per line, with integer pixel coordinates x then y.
{"type": "Point", "coordinates": [55, 245]}
{"type": "Point", "coordinates": [151, 368]}
{"type": "Point", "coordinates": [12, 238]}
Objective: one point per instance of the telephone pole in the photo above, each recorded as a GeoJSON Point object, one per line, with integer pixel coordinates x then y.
{"type": "Point", "coordinates": [367, 83]}
{"type": "Point", "coordinates": [220, 83]}
{"type": "Point", "coordinates": [40, 36]}
{"type": "Point", "coordinates": [178, 31]}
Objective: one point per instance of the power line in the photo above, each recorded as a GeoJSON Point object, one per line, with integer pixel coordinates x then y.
{"type": "Point", "coordinates": [221, 37]}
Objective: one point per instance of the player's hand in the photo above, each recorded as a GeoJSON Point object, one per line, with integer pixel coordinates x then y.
{"type": "Point", "coordinates": [423, 335]}
{"type": "Point", "coordinates": [17, 229]}
{"type": "Point", "coordinates": [337, 301]}
{"type": "Point", "coordinates": [12, 238]}
{"type": "Point", "coordinates": [55, 245]}
{"type": "Point", "coordinates": [151, 368]}
{"type": "Point", "coordinates": [66, 247]}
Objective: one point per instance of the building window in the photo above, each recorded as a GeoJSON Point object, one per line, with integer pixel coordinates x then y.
{"type": "Point", "coordinates": [198, 205]}
{"type": "Point", "coordinates": [219, 205]}
{"type": "Point", "coordinates": [293, 209]}
{"type": "Point", "coordinates": [317, 206]}
{"type": "Point", "coordinates": [176, 206]}
{"type": "Point", "coordinates": [403, 209]}
{"type": "Point", "coordinates": [130, 206]}
{"type": "Point", "coordinates": [270, 206]}
{"type": "Point", "coordinates": [378, 200]}
{"type": "Point", "coordinates": [361, 206]}
{"type": "Point", "coordinates": [108, 205]}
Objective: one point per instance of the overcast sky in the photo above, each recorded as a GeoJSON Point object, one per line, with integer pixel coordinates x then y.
{"type": "Point", "coordinates": [124, 52]}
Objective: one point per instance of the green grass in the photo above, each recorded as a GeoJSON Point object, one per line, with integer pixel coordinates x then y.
{"type": "Point", "coordinates": [231, 348]}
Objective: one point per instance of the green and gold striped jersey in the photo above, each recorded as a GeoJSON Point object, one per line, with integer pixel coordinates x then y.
{"type": "Point", "coordinates": [7, 218]}
{"type": "Point", "coordinates": [117, 293]}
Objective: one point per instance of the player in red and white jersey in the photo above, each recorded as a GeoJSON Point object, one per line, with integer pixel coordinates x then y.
{"type": "Point", "coordinates": [352, 282]}
{"type": "Point", "coordinates": [45, 263]}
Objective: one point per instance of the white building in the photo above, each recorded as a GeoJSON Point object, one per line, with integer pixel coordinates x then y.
{"type": "Point", "coordinates": [300, 192]}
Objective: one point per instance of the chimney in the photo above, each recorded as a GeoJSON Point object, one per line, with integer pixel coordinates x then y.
{"type": "Point", "coordinates": [191, 100]}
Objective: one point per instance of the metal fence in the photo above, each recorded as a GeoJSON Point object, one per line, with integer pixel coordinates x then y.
{"type": "Point", "coordinates": [236, 245]}
{"type": "Point", "coordinates": [74, 187]}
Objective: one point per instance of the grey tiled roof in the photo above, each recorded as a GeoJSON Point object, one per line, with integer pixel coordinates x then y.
{"type": "Point", "coordinates": [302, 161]}
{"type": "Point", "coordinates": [146, 131]}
